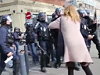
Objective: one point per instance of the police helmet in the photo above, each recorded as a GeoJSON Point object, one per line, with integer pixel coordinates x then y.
{"type": "Point", "coordinates": [28, 24]}
{"type": "Point", "coordinates": [82, 12]}
{"type": "Point", "coordinates": [5, 18]}
{"type": "Point", "coordinates": [42, 16]}
{"type": "Point", "coordinates": [58, 11]}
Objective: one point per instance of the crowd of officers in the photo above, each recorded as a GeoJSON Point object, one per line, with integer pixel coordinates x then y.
{"type": "Point", "coordinates": [46, 46]}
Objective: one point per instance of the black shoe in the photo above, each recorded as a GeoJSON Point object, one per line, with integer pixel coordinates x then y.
{"type": "Point", "coordinates": [43, 70]}
{"type": "Point", "coordinates": [77, 68]}
{"type": "Point", "coordinates": [48, 65]}
{"type": "Point", "coordinates": [4, 70]}
{"type": "Point", "coordinates": [57, 65]}
{"type": "Point", "coordinates": [99, 57]}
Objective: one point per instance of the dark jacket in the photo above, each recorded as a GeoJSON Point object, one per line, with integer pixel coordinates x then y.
{"type": "Point", "coordinates": [85, 31]}
{"type": "Point", "coordinates": [42, 30]}
{"type": "Point", "coordinates": [91, 26]}
{"type": "Point", "coordinates": [16, 36]}
{"type": "Point", "coordinates": [84, 28]}
{"type": "Point", "coordinates": [30, 36]}
{"type": "Point", "coordinates": [4, 48]}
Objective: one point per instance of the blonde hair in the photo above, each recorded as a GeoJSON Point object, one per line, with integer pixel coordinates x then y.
{"type": "Point", "coordinates": [72, 12]}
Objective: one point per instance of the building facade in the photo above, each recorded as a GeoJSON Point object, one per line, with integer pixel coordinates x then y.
{"type": "Point", "coordinates": [18, 8]}
{"type": "Point", "coordinates": [98, 17]}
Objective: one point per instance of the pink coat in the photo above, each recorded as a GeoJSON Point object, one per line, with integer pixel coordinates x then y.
{"type": "Point", "coordinates": [75, 47]}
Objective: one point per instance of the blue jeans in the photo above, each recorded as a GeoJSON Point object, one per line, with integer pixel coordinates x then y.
{"type": "Point", "coordinates": [32, 48]}
{"type": "Point", "coordinates": [17, 46]}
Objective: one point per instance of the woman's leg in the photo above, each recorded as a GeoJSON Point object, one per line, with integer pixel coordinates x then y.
{"type": "Point", "coordinates": [70, 66]}
{"type": "Point", "coordinates": [70, 71]}
{"type": "Point", "coordinates": [86, 69]}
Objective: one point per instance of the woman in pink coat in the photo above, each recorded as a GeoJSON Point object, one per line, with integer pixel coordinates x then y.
{"type": "Point", "coordinates": [75, 48]}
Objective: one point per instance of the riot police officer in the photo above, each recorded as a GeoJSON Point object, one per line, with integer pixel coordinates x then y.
{"type": "Point", "coordinates": [31, 36]}
{"type": "Point", "coordinates": [5, 50]}
{"type": "Point", "coordinates": [57, 39]}
{"type": "Point", "coordinates": [84, 28]}
{"type": "Point", "coordinates": [42, 31]}
{"type": "Point", "coordinates": [92, 31]}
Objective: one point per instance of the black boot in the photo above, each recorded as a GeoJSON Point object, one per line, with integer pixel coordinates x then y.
{"type": "Point", "coordinates": [87, 70]}
{"type": "Point", "coordinates": [57, 65]}
{"type": "Point", "coordinates": [99, 56]}
{"type": "Point", "coordinates": [43, 69]}
{"type": "Point", "coordinates": [48, 65]}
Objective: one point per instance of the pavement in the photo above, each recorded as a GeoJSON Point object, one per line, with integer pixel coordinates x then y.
{"type": "Point", "coordinates": [35, 70]}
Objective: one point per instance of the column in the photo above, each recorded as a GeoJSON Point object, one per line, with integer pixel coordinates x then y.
{"type": "Point", "coordinates": [18, 20]}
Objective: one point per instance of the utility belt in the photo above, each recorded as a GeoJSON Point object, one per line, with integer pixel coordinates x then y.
{"type": "Point", "coordinates": [16, 40]}
{"type": "Point", "coordinates": [43, 37]}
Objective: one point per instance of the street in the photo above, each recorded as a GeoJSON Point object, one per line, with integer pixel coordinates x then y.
{"type": "Point", "coordinates": [35, 70]}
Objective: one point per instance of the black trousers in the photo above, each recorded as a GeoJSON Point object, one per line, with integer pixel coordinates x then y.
{"type": "Point", "coordinates": [42, 60]}
{"type": "Point", "coordinates": [43, 56]}
{"type": "Point", "coordinates": [96, 42]}
{"type": "Point", "coordinates": [57, 52]}
{"type": "Point", "coordinates": [2, 66]}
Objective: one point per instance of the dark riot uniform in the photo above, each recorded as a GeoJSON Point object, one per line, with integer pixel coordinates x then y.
{"type": "Point", "coordinates": [6, 41]}
{"type": "Point", "coordinates": [84, 28]}
{"type": "Point", "coordinates": [42, 31]}
{"type": "Point", "coordinates": [92, 31]}
{"type": "Point", "coordinates": [57, 40]}
{"type": "Point", "coordinates": [85, 32]}
{"type": "Point", "coordinates": [4, 49]}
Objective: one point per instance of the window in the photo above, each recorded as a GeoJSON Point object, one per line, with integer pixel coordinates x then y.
{"type": "Point", "coordinates": [34, 18]}
{"type": "Point", "coordinates": [49, 17]}
{"type": "Point", "coordinates": [1, 1]}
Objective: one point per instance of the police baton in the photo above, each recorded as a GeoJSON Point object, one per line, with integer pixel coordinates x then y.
{"type": "Point", "coordinates": [41, 48]}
